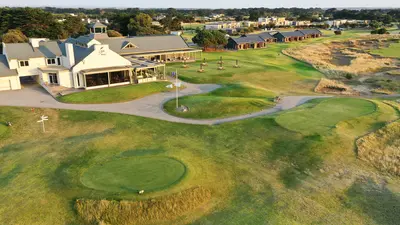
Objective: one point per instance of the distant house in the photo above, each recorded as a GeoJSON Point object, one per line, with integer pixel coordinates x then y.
{"type": "Point", "coordinates": [250, 41]}
{"type": "Point", "coordinates": [311, 33]}
{"type": "Point", "coordinates": [289, 36]}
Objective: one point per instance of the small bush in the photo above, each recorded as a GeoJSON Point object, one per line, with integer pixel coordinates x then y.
{"type": "Point", "coordinates": [349, 76]}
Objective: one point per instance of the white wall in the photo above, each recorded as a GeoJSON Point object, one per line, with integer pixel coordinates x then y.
{"type": "Point", "coordinates": [14, 82]}
{"type": "Point", "coordinates": [64, 78]}
{"type": "Point", "coordinates": [32, 69]}
{"type": "Point", "coordinates": [101, 57]}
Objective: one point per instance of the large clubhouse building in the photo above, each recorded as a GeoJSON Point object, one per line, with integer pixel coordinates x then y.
{"type": "Point", "coordinates": [91, 61]}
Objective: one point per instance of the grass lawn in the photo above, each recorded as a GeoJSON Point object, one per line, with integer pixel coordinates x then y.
{"type": "Point", "coordinates": [230, 100]}
{"type": "Point", "coordinates": [322, 117]}
{"type": "Point", "coordinates": [257, 171]}
{"type": "Point", "coordinates": [116, 94]}
{"type": "Point", "coordinates": [134, 174]}
{"type": "Point", "coordinates": [392, 51]}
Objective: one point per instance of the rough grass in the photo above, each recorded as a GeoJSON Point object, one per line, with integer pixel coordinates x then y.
{"type": "Point", "coordinates": [343, 57]}
{"type": "Point", "coordinates": [140, 212]}
{"type": "Point", "coordinates": [151, 173]}
{"type": "Point", "coordinates": [331, 86]}
{"type": "Point", "coordinates": [323, 116]}
{"type": "Point", "coordinates": [116, 94]}
{"type": "Point", "coordinates": [3, 130]}
{"type": "Point", "coordinates": [257, 171]}
{"type": "Point", "coordinates": [230, 100]}
{"type": "Point", "coordinates": [381, 149]}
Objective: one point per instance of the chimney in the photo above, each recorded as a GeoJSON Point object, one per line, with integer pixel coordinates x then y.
{"type": "Point", "coordinates": [35, 41]}
{"type": "Point", "coordinates": [69, 50]}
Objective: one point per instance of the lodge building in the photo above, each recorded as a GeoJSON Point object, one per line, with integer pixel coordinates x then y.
{"type": "Point", "coordinates": [91, 61]}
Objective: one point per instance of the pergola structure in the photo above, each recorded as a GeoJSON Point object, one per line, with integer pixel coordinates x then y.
{"type": "Point", "coordinates": [145, 70]}
{"type": "Point", "coordinates": [188, 55]}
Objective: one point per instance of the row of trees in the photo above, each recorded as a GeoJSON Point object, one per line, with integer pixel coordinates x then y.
{"type": "Point", "coordinates": [33, 22]}
{"type": "Point", "coordinates": [210, 39]}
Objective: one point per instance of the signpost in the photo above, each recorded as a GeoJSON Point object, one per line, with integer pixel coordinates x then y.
{"type": "Point", "coordinates": [42, 119]}
{"type": "Point", "coordinates": [176, 85]}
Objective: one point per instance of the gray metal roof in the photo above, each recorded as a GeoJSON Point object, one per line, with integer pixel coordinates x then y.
{"type": "Point", "coordinates": [248, 39]}
{"type": "Point", "coordinates": [291, 34]}
{"type": "Point", "coordinates": [310, 31]}
{"type": "Point", "coordinates": [98, 24]}
{"type": "Point", "coordinates": [4, 69]}
{"type": "Point", "coordinates": [266, 35]}
{"type": "Point", "coordinates": [50, 49]}
{"type": "Point", "coordinates": [252, 38]}
{"type": "Point", "coordinates": [79, 52]}
{"type": "Point", "coordinates": [22, 51]}
{"type": "Point", "coordinates": [146, 44]}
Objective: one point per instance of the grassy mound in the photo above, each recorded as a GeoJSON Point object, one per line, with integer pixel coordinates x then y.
{"type": "Point", "coordinates": [141, 212]}
{"type": "Point", "coordinates": [382, 148]}
{"type": "Point", "coordinates": [134, 174]}
{"type": "Point", "coordinates": [116, 94]}
{"type": "Point", "coordinates": [230, 100]}
{"type": "Point", "coordinates": [325, 115]}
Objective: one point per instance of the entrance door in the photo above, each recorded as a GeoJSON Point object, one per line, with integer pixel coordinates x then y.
{"type": "Point", "coordinates": [53, 79]}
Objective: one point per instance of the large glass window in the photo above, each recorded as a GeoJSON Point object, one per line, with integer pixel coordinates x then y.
{"type": "Point", "coordinates": [96, 79]}
{"type": "Point", "coordinates": [119, 77]}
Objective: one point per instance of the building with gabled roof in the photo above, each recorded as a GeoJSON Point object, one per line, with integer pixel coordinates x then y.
{"type": "Point", "coordinates": [289, 36]}
{"type": "Point", "coordinates": [250, 41]}
{"type": "Point", "coordinates": [92, 61]}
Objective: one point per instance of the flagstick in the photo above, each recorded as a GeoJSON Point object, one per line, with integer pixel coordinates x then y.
{"type": "Point", "coordinates": [176, 85]}
{"type": "Point", "coordinates": [44, 131]}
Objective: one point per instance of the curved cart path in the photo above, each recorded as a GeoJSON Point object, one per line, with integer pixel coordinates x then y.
{"type": "Point", "coordinates": [150, 106]}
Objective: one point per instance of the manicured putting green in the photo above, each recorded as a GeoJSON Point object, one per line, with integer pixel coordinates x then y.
{"type": "Point", "coordinates": [325, 115]}
{"type": "Point", "coordinates": [134, 174]}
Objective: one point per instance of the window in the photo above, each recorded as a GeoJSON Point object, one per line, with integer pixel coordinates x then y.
{"type": "Point", "coordinates": [130, 45]}
{"type": "Point", "coordinates": [53, 79]}
{"type": "Point", "coordinates": [23, 63]}
{"type": "Point", "coordinates": [51, 61]}
{"type": "Point", "coordinates": [58, 61]}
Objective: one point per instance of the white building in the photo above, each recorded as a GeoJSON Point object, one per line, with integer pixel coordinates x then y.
{"type": "Point", "coordinates": [91, 61]}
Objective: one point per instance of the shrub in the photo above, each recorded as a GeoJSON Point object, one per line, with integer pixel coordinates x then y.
{"type": "Point", "coordinates": [349, 76]}
{"type": "Point", "coordinates": [338, 32]}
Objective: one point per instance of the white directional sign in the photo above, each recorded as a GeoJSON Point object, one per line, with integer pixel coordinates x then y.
{"type": "Point", "coordinates": [42, 119]}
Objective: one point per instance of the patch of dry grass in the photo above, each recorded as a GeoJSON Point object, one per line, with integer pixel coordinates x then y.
{"type": "Point", "coordinates": [142, 212]}
{"type": "Point", "coordinates": [382, 148]}
{"type": "Point", "coordinates": [339, 58]}
{"type": "Point", "coordinates": [333, 87]}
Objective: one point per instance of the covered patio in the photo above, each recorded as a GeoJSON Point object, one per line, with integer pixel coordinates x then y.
{"type": "Point", "coordinates": [146, 71]}
{"type": "Point", "coordinates": [188, 55]}
{"type": "Point", "coordinates": [106, 77]}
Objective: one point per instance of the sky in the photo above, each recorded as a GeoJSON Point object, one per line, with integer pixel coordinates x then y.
{"type": "Point", "coordinates": [205, 3]}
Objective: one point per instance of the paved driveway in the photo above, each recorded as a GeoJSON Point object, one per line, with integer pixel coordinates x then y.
{"type": "Point", "coordinates": [149, 106]}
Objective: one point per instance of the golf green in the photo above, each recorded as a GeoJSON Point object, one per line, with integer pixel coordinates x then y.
{"type": "Point", "coordinates": [134, 174]}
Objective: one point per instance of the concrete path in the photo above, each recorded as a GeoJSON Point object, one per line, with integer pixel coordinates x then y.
{"type": "Point", "coordinates": [149, 106]}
